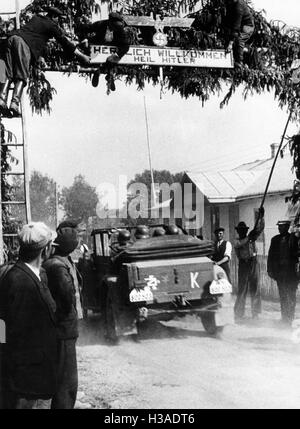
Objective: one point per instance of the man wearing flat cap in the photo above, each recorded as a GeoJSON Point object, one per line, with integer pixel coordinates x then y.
{"type": "Point", "coordinates": [65, 283]}
{"type": "Point", "coordinates": [248, 274]}
{"type": "Point", "coordinates": [222, 253]}
{"type": "Point", "coordinates": [111, 31]}
{"type": "Point", "coordinates": [282, 260]}
{"type": "Point", "coordinates": [24, 47]}
{"type": "Point", "coordinates": [28, 310]}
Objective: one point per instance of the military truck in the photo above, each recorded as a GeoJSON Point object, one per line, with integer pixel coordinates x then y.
{"type": "Point", "coordinates": [138, 273]}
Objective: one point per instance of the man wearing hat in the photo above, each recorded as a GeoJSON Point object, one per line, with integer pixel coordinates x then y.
{"type": "Point", "coordinates": [24, 47]}
{"type": "Point", "coordinates": [28, 310]}
{"type": "Point", "coordinates": [111, 31]}
{"type": "Point", "coordinates": [64, 283]}
{"type": "Point", "coordinates": [282, 260]}
{"type": "Point", "coordinates": [248, 275]}
{"type": "Point", "coordinates": [222, 253]}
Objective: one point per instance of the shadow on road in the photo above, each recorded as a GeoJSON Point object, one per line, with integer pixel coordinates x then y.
{"type": "Point", "coordinates": [272, 343]}
{"type": "Point", "coordinates": [154, 329]}
{"type": "Point", "coordinates": [92, 332]}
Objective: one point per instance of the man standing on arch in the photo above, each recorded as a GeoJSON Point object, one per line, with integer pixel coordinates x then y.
{"type": "Point", "coordinates": [240, 23]}
{"type": "Point", "coordinates": [24, 47]}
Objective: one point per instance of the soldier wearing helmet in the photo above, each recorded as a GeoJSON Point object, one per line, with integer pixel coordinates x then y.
{"type": "Point", "coordinates": [124, 237]}
{"type": "Point", "coordinates": [159, 232]}
{"type": "Point", "coordinates": [141, 232]}
{"type": "Point", "coordinates": [172, 230]}
{"type": "Point", "coordinates": [124, 240]}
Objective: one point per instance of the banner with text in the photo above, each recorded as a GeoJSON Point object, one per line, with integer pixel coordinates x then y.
{"type": "Point", "coordinates": [145, 55]}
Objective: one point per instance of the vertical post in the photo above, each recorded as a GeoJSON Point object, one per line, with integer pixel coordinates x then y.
{"type": "Point", "coordinates": [25, 166]}
{"type": "Point", "coordinates": [24, 138]}
{"type": "Point", "coordinates": [1, 205]}
{"type": "Point", "coordinates": [149, 154]}
{"type": "Point", "coordinates": [56, 205]}
{"type": "Point", "coordinates": [17, 14]}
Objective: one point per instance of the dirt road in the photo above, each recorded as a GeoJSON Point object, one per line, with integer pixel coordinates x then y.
{"type": "Point", "coordinates": [177, 365]}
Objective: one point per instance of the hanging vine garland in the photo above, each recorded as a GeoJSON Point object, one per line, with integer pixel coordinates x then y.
{"type": "Point", "coordinates": [271, 51]}
{"type": "Point", "coordinates": [6, 162]}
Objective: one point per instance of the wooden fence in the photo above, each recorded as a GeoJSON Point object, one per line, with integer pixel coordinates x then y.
{"type": "Point", "coordinates": [268, 286]}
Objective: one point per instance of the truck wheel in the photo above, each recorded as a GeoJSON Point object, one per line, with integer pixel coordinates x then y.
{"type": "Point", "coordinates": [111, 331]}
{"type": "Point", "coordinates": [208, 320]}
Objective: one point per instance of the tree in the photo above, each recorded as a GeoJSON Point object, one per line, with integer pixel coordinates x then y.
{"type": "Point", "coordinates": [42, 192]}
{"type": "Point", "coordinates": [159, 176]}
{"type": "Point", "coordinates": [146, 201]}
{"type": "Point", "coordinates": [43, 199]}
{"type": "Point", "coordinates": [79, 201]}
{"type": "Point", "coordinates": [271, 52]}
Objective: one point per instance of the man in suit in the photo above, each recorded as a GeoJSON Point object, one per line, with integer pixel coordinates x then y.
{"type": "Point", "coordinates": [282, 260]}
{"type": "Point", "coordinates": [222, 254]}
{"type": "Point", "coordinates": [28, 311]}
{"type": "Point", "coordinates": [65, 284]}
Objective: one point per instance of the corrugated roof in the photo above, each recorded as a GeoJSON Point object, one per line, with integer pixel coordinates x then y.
{"type": "Point", "coordinates": [223, 186]}
{"type": "Point", "coordinates": [258, 164]}
{"type": "Point", "coordinates": [245, 181]}
{"type": "Point", "coordinates": [282, 179]}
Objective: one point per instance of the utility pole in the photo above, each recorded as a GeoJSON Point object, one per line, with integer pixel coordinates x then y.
{"type": "Point", "coordinates": [153, 199]}
{"type": "Point", "coordinates": [24, 137]}
{"type": "Point", "coordinates": [56, 204]}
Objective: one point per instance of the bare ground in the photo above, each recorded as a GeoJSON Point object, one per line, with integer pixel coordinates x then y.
{"type": "Point", "coordinates": [177, 365]}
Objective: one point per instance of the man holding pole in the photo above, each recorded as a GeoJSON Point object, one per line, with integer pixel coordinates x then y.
{"type": "Point", "coordinates": [248, 276]}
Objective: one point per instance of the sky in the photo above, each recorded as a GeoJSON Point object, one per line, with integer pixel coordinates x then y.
{"type": "Point", "coordinates": [104, 137]}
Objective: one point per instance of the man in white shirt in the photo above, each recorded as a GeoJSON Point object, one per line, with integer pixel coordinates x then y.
{"type": "Point", "coordinates": [222, 254]}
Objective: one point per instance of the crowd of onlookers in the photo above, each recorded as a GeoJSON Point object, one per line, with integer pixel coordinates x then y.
{"type": "Point", "coordinates": [40, 305]}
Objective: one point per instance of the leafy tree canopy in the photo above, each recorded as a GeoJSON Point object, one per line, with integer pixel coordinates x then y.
{"type": "Point", "coordinates": [42, 189]}
{"type": "Point", "coordinates": [43, 199]}
{"type": "Point", "coordinates": [271, 51]}
{"type": "Point", "coordinates": [160, 177]}
{"type": "Point", "coordinates": [79, 201]}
